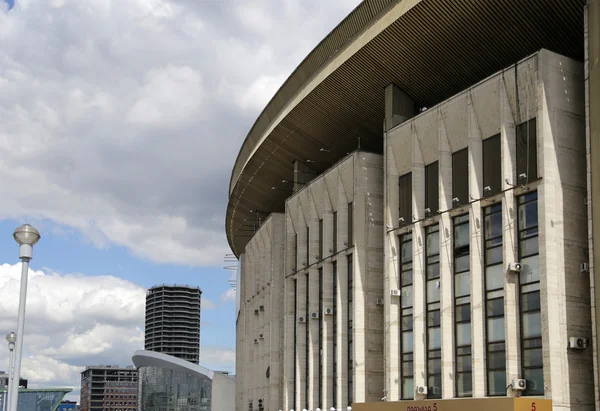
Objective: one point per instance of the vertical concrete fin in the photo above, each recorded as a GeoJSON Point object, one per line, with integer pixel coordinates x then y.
{"type": "Point", "coordinates": [399, 107]}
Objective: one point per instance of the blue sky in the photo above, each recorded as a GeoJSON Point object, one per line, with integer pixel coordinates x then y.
{"type": "Point", "coordinates": [10, 3]}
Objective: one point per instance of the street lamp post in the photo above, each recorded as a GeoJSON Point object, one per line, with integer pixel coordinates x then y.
{"type": "Point", "coordinates": [11, 338]}
{"type": "Point", "coordinates": [26, 236]}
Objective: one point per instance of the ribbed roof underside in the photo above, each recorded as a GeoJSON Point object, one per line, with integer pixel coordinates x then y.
{"type": "Point", "coordinates": [433, 51]}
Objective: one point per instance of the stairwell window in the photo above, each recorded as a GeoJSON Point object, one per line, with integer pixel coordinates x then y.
{"type": "Point", "coordinates": [406, 315]}
{"type": "Point", "coordinates": [432, 321]}
{"type": "Point", "coordinates": [462, 307]}
{"type": "Point", "coordinates": [405, 200]}
{"type": "Point", "coordinates": [432, 188]}
{"type": "Point", "coordinates": [460, 177]}
{"type": "Point", "coordinates": [321, 324]}
{"type": "Point", "coordinates": [350, 332]}
{"type": "Point", "coordinates": [492, 166]}
{"type": "Point", "coordinates": [335, 334]}
{"type": "Point", "coordinates": [350, 224]}
{"type": "Point", "coordinates": [527, 151]}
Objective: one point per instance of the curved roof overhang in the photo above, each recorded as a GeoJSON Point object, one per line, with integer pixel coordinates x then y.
{"type": "Point", "coordinates": [431, 49]}
{"type": "Point", "coordinates": [143, 358]}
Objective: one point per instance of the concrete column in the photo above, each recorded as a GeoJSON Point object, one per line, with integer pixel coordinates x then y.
{"type": "Point", "coordinates": [288, 351]}
{"type": "Point", "coordinates": [342, 373]}
{"type": "Point", "coordinates": [327, 355]}
{"type": "Point", "coordinates": [509, 239]}
{"type": "Point", "coordinates": [399, 107]}
{"type": "Point", "coordinates": [593, 138]}
{"type": "Point", "coordinates": [301, 376]}
{"type": "Point", "coordinates": [313, 327]}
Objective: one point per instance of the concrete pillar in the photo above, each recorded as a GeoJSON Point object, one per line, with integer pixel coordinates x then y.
{"type": "Point", "coordinates": [302, 175]}
{"type": "Point", "coordinates": [446, 261]}
{"type": "Point", "coordinates": [593, 138]}
{"type": "Point", "coordinates": [509, 238]}
{"type": "Point", "coordinates": [301, 376]}
{"type": "Point", "coordinates": [399, 107]}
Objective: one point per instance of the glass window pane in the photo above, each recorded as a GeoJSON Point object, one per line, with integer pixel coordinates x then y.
{"type": "Point", "coordinates": [529, 246]}
{"type": "Point", "coordinates": [495, 307]}
{"type": "Point", "coordinates": [497, 360]}
{"type": "Point", "coordinates": [406, 253]}
{"type": "Point", "coordinates": [407, 341]}
{"type": "Point", "coordinates": [408, 388]}
{"type": "Point", "coordinates": [530, 270]}
{"type": "Point", "coordinates": [406, 298]}
{"type": "Point", "coordinates": [528, 215]}
{"type": "Point", "coordinates": [407, 368]}
{"type": "Point", "coordinates": [461, 263]}
{"type": "Point", "coordinates": [407, 322]}
{"type": "Point", "coordinates": [494, 277]}
{"type": "Point", "coordinates": [464, 385]}
{"type": "Point", "coordinates": [434, 386]}
{"type": "Point", "coordinates": [433, 271]}
{"type": "Point", "coordinates": [407, 277]}
{"type": "Point", "coordinates": [497, 383]}
{"type": "Point", "coordinates": [461, 235]}
{"type": "Point", "coordinates": [495, 329]}
{"type": "Point", "coordinates": [434, 366]}
{"type": "Point", "coordinates": [532, 325]}
{"type": "Point", "coordinates": [433, 318]}
{"type": "Point", "coordinates": [462, 313]}
{"type": "Point", "coordinates": [493, 255]}
{"type": "Point", "coordinates": [530, 301]}
{"type": "Point", "coordinates": [493, 225]}
{"type": "Point", "coordinates": [433, 291]}
{"type": "Point", "coordinates": [462, 284]}
{"type": "Point", "coordinates": [532, 358]}
{"type": "Point", "coordinates": [434, 340]}
{"type": "Point", "coordinates": [535, 381]}
{"type": "Point", "coordinates": [463, 334]}
{"type": "Point", "coordinates": [464, 363]}
{"type": "Point", "coordinates": [433, 243]}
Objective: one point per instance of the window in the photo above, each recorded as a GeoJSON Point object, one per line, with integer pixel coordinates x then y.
{"type": "Point", "coordinates": [335, 232]}
{"type": "Point", "coordinates": [460, 177]}
{"type": "Point", "coordinates": [307, 359]}
{"type": "Point", "coordinates": [350, 332]}
{"type": "Point", "coordinates": [405, 200]}
{"type": "Point", "coordinates": [321, 239]}
{"type": "Point", "coordinates": [432, 188]}
{"type": "Point", "coordinates": [295, 341]}
{"type": "Point", "coordinates": [527, 151]}
{"type": "Point", "coordinates": [321, 365]}
{"type": "Point", "coordinates": [494, 301]}
{"type": "Point", "coordinates": [295, 252]}
{"type": "Point", "coordinates": [307, 246]}
{"type": "Point", "coordinates": [529, 291]}
{"type": "Point", "coordinates": [406, 315]}
{"type": "Point", "coordinates": [350, 224]}
{"type": "Point", "coordinates": [335, 324]}
{"type": "Point", "coordinates": [462, 307]}
{"type": "Point", "coordinates": [432, 298]}
{"type": "Point", "coordinates": [492, 166]}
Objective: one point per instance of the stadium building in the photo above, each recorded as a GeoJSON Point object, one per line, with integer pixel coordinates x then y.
{"type": "Point", "coordinates": [414, 214]}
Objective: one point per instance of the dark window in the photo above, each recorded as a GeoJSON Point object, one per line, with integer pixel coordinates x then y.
{"type": "Point", "coordinates": [494, 301]}
{"type": "Point", "coordinates": [335, 324]}
{"type": "Point", "coordinates": [492, 166]}
{"type": "Point", "coordinates": [460, 177]}
{"type": "Point", "coordinates": [432, 321]}
{"type": "Point", "coordinates": [350, 224]}
{"type": "Point", "coordinates": [529, 290]}
{"type": "Point", "coordinates": [350, 332]}
{"type": "Point", "coordinates": [407, 389]}
{"type": "Point", "coordinates": [462, 307]}
{"type": "Point", "coordinates": [405, 200]}
{"type": "Point", "coordinates": [527, 151]}
{"type": "Point", "coordinates": [307, 359]}
{"type": "Point", "coordinates": [321, 239]}
{"type": "Point", "coordinates": [432, 188]}
{"type": "Point", "coordinates": [295, 341]}
{"type": "Point", "coordinates": [307, 246]}
{"type": "Point", "coordinates": [295, 252]}
{"type": "Point", "coordinates": [321, 365]}
{"type": "Point", "coordinates": [335, 232]}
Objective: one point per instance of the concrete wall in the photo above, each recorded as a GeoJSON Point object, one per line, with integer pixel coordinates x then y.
{"type": "Point", "coordinates": [550, 88]}
{"type": "Point", "coordinates": [356, 179]}
{"type": "Point", "coordinates": [223, 387]}
{"type": "Point", "coordinates": [260, 364]}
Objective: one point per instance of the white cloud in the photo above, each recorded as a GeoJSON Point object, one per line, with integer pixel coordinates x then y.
{"type": "Point", "coordinates": [218, 359]}
{"type": "Point", "coordinates": [71, 321]}
{"type": "Point", "coordinates": [207, 304]}
{"type": "Point", "coordinates": [228, 295]}
{"type": "Point", "coordinates": [124, 118]}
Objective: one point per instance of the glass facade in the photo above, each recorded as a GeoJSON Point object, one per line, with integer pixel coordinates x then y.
{"type": "Point", "coordinates": [164, 389]}
{"type": "Point", "coordinates": [406, 314]}
{"type": "Point", "coordinates": [36, 400]}
{"type": "Point", "coordinates": [462, 307]}
{"type": "Point", "coordinates": [350, 332]}
{"type": "Point", "coordinates": [433, 324]}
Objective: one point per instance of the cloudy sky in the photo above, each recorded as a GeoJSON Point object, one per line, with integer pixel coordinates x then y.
{"type": "Point", "coordinates": [119, 124]}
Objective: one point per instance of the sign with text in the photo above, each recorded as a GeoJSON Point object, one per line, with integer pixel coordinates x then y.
{"type": "Point", "coordinates": [462, 404]}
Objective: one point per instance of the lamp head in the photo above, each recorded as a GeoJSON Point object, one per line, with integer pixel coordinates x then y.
{"type": "Point", "coordinates": [26, 235]}
{"type": "Point", "coordinates": [11, 337]}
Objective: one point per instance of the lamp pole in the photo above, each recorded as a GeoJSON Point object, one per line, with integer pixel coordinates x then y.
{"type": "Point", "coordinates": [26, 236]}
{"type": "Point", "coordinates": [11, 338]}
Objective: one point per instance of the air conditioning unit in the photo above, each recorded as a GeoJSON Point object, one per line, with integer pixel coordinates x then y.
{"type": "Point", "coordinates": [314, 316]}
{"type": "Point", "coordinates": [301, 319]}
{"type": "Point", "coordinates": [261, 336]}
{"type": "Point", "coordinates": [518, 384]}
{"type": "Point", "coordinates": [328, 311]}
{"type": "Point", "coordinates": [578, 343]}
{"type": "Point", "coordinates": [262, 308]}
{"type": "Point", "coordinates": [256, 341]}
{"type": "Point", "coordinates": [379, 301]}
{"type": "Point", "coordinates": [514, 267]}
{"type": "Point", "coordinates": [395, 293]}
{"type": "Point", "coordinates": [421, 390]}
{"type": "Point", "coordinates": [255, 312]}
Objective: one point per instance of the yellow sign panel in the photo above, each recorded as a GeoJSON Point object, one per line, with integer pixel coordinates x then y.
{"type": "Point", "coordinates": [463, 404]}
